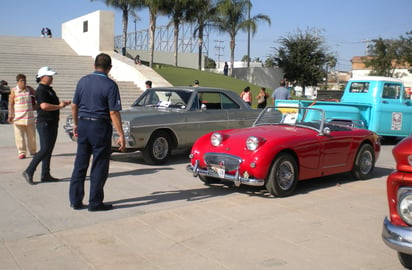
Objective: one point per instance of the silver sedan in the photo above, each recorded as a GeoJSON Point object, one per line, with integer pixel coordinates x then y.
{"type": "Point", "coordinates": [164, 119]}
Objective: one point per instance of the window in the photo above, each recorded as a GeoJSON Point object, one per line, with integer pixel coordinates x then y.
{"type": "Point", "coordinates": [359, 87]}
{"type": "Point", "coordinates": [391, 91]}
{"type": "Point", "coordinates": [85, 26]}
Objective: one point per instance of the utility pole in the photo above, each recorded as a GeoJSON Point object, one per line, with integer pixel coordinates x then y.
{"type": "Point", "coordinates": [219, 51]}
{"type": "Point", "coordinates": [248, 35]}
{"type": "Point", "coordinates": [366, 41]}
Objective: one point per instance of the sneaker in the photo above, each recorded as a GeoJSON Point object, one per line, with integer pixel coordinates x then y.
{"type": "Point", "coordinates": [22, 156]}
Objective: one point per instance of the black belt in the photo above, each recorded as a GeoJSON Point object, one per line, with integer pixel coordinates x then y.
{"type": "Point", "coordinates": [93, 119]}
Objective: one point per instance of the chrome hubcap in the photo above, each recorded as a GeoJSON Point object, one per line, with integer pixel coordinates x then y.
{"type": "Point", "coordinates": [160, 148]}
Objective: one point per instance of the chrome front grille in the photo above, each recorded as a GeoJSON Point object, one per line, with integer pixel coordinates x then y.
{"type": "Point", "coordinates": [229, 162]}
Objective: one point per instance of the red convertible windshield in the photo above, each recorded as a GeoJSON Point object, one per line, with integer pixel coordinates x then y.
{"type": "Point", "coordinates": [294, 116]}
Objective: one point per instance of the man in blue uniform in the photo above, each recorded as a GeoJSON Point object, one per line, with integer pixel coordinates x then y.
{"type": "Point", "coordinates": [96, 106]}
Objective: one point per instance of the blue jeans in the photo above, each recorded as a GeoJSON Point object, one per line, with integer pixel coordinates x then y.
{"type": "Point", "coordinates": [94, 138]}
{"type": "Point", "coordinates": [47, 131]}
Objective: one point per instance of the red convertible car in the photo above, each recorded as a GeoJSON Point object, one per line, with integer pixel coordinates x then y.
{"type": "Point", "coordinates": [397, 228]}
{"type": "Point", "coordinates": [284, 145]}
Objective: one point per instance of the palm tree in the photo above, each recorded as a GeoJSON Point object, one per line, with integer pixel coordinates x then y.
{"type": "Point", "coordinates": [125, 6]}
{"type": "Point", "coordinates": [176, 9]}
{"type": "Point", "coordinates": [233, 17]}
{"type": "Point", "coordinates": [201, 12]}
{"type": "Point", "coordinates": [154, 6]}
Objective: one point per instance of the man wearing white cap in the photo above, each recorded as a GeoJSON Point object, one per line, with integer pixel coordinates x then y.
{"type": "Point", "coordinates": [48, 110]}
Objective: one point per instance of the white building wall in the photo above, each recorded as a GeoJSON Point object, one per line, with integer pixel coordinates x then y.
{"type": "Point", "coordinates": [99, 36]}
{"type": "Point", "coordinates": [402, 74]}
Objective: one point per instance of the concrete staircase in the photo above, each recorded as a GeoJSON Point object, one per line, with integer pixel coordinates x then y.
{"type": "Point", "coordinates": [27, 54]}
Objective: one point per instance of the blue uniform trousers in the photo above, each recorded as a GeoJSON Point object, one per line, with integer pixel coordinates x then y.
{"type": "Point", "coordinates": [94, 138]}
{"type": "Point", "coordinates": [47, 131]}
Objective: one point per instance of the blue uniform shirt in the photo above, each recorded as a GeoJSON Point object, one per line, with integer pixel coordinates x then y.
{"type": "Point", "coordinates": [96, 95]}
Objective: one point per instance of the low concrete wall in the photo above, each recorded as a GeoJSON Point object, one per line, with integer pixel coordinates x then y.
{"type": "Point", "coordinates": [263, 76]}
{"type": "Point", "coordinates": [187, 60]}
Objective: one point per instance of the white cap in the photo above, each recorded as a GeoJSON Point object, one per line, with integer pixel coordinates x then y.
{"type": "Point", "coordinates": [45, 71]}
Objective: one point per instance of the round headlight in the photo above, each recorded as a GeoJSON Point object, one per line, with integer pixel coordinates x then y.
{"type": "Point", "coordinates": [405, 208]}
{"type": "Point", "coordinates": [216, 139]}
{"type": "Point", "coordinates": [252, 143]}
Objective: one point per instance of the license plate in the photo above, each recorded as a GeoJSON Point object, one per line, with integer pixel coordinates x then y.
{"type": "Point", "coordinates": [220, 171]}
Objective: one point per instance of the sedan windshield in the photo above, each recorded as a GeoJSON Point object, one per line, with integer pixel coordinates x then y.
{"type": "Point", "coordinates": [164, 98]}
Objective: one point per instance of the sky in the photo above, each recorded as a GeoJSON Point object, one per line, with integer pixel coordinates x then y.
{"type": "Point", "coordinates": [346, 26]}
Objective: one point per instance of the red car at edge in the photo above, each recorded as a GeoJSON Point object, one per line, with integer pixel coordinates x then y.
{"type": "Point", "coordinates": [397, 227]}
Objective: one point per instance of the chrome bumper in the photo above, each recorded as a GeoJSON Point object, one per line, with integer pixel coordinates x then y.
{"type": "Point", "coordinates": [398, 238]}
{"type": "Point", "coordinates": [236, 179]}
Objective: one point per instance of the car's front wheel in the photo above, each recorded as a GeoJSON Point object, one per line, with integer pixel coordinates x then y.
{"type": "Point", "coordinates": [405, 259]}
{"type": "Point", "coordinates": [283, 176]}
{"type": "Point", "coordinates": [364, 162]}
{"type": "Point", "coordinates": [158, 149]}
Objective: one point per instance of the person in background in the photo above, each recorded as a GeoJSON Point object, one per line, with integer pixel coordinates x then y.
{"type": "Point", "coordinates": [196, 83]}
{"type": "Point", "coordinates": [246, 95]}
{"type": "Point", "coordinates": [137, 60]}
{"type": "Point", "coordinates": [281, 92]}
{"type": "Point", "coordinates": [48, 32]}
{"type": "Point", "coordinates": [43, 32]}
{"type": "Point", "coordinates": [96, 107]}
{"type": "Point", "coordinates": [148, 84]}
{"type": "Point", "coordinates": [226, 69]}
{"type": "Point", "coordinates": [21, 114]}
{"type": "Point", "coordinates": [48, 113]}
{"type": "Point", "coordinates": [262, 98]}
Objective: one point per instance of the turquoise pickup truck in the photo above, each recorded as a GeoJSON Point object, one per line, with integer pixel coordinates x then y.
{"type": "Point", "coordinates": [376, 103]}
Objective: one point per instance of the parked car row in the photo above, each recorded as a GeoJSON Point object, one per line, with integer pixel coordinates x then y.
{"type": "Point", "coordinates": [166, 119]}
{"type": "Point", "coordinates": [275, 147]}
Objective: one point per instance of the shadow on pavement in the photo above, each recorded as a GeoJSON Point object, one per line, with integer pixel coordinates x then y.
{"type": "Point", "coordinates": [171, 195]}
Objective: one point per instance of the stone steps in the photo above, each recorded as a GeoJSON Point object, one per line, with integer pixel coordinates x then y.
{"type": "Point", "coordinates": [27, 54]}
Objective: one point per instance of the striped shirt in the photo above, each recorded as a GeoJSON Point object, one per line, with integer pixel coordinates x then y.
{"type": "Point", "coordinates": [23, 106]}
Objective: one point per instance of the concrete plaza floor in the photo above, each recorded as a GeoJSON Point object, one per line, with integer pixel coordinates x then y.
{"type": "Point", "coordinates": [163, 218]}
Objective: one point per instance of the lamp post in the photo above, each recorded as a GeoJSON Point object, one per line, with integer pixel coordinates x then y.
{"type": "Point", "coordinates": [135, 34]}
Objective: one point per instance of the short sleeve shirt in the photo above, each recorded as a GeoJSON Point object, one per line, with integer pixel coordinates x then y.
{"type": "Point", "coordinates": [96, 96]}
{"type": "Point", "coordinates": [281, 93]}
{"type": "Point", "coordinates": [46, 94]}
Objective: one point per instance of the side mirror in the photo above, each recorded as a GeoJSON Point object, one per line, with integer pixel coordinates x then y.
{"type": "Point", "coordinates": [326, 131]}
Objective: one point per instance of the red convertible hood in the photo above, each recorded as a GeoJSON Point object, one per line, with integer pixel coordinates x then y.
{"type": "Point", "coordinates": [276, 132]}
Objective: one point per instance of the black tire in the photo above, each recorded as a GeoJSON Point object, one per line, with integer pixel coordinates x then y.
{"type": "Point", "coordinates": [405, 259]}
{"type": "Point", "coordinates": [283, 176]}
{"type": "Point", "coordinates": [209, 180]}
{"type": "Point", "coordinates": [364, 162]}
{"type": "Point", "coordinates": [158, 149]}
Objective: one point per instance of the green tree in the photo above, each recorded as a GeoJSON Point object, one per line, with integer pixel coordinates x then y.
{"type": "Point", "coordinates": [303, 58]}
{"type": "Point", "coordinates": [245, 58]}
{"type": "Point", "coordinates": [406, 49]}
{"type": "Point", "coordinates": [176, 9]}
{"type": "Point", "coordinates": [384, 57]}
{"type": "Point", "coordinates": [232, 17]}
{"type": "Point", "coordinates": [200, 12]}
{"type": "Point", "coordinates": [155, 7]}
{"type": "Point", "coordinates": [125, 6]}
